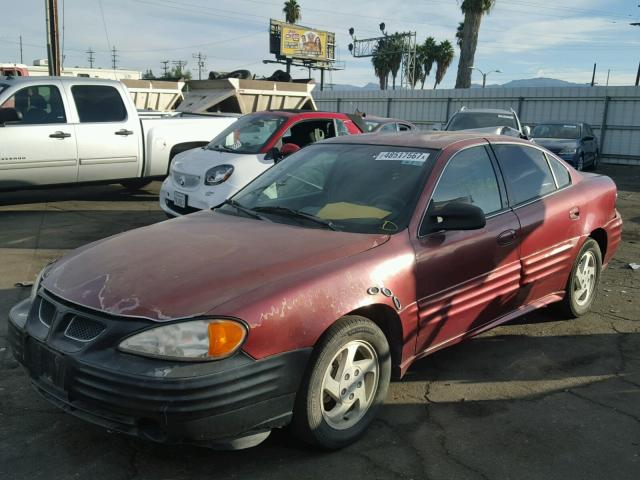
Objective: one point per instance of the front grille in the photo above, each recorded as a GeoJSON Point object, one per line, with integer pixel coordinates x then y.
{"type": "Point", "coordinates": [185, 180]}
{"type": "Point", "coordinates": [182, 211]}
{"type": "Point", "coordinates": [83, 329]}
{"type": "Point", "coordinates": [46, 312]}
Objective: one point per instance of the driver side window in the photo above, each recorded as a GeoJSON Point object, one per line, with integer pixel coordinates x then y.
{"type": "Point", "coordinates": [469, 177]}
{"type": "Point", "coordinates": [41, 104]}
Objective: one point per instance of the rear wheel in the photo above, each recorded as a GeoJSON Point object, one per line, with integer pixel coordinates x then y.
{"type": "Point", "coordinates": [346, 382]}
{"type": "Point", "coordinates": [135, 183]}
{"type": "Point", "coordinates": [583, 281]}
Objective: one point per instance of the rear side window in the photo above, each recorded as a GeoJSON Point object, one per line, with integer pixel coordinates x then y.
{"type": "Point", "coordinates": [389, 127]}
{"type": "Point", "coordinates": [98, 103]}
{"type": "Point", "coordinates": [561, 173]}
{"type": "Point", "coordinates": [469, 178]}
{"type": "Point", "coordinates": [403, 127]}
{"type": "Point", "coordinates": [526, 172]}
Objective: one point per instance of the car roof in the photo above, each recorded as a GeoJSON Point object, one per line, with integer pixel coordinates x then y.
{"type": "Point", "coordinates": [486, 110]}
{"type": "Point", "coordinates": [303, 113]}
{"type": "Point", "coordinates": [41, 79]}
{"type": "Point", "coordinates": [374, 118]}
{"type": "Point", "coordinates": [421, 139]}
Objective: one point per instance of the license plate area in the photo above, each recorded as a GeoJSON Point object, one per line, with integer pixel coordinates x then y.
{"type": "Point", "coordinates": [45, 365]}
{"type": "Point", "coordinates": [180, 199]}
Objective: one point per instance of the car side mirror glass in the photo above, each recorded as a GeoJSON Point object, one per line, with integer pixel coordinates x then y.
{"type": "Point", "coordinates": [288, 149]}
{"type": "Point", "coordinates": [456, 216]}
{"type": "Point", "coordinates": [9, 115]}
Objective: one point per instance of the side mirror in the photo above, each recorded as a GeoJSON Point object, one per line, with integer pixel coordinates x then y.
{"type": "Point", "coordinates": [288, 149]}
{"type": "Point", "coordinates": [526, 131]}
{"type": "Point", "coordinates": [9, 115]}
{"type": "Point", "coordinates": [437, 127]}
{"type": "Point", "coordinates": [274, 154]}
{"type": "Point", "coordinates": [456, 216]}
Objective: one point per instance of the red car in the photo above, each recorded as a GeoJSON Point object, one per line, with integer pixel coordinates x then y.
{"type": "Point", "coordinates": [298, 299]}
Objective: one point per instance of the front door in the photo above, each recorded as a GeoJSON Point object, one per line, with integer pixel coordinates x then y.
{"type": "Point", "coordinates": [41, 148]}
{"type": "Point", "coordinates": [108, 137]}
{"type": "Point", "coordinates": [465, 279]}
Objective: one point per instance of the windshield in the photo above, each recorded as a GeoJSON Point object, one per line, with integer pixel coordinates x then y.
{"type": "Point", "coordinates": [353, 188]}
{"type": "Point", "coordinates": [248, 134]}
{"type": "Point", "coordinates": [569, 131]}
{"type": "Point", "coordinates": [470, 120]}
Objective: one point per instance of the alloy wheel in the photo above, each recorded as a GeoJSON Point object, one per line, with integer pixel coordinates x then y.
{"type": "Point", "coordinates": [585, 278]}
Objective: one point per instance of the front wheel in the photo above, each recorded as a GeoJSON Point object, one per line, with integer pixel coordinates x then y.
{"type": "Point", "coordinates": [583, 281]}
{"type": "Point", "coordinates": [345, 385]}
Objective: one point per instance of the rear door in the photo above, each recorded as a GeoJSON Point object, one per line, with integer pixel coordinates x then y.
{"type": "Point", "coordinates": [40, 149]}
{"type": "Point", "coordinates": [550, 216]}
{"type": "Point", "coordinates": [466, 279]}
{"type": "Point", "coordinates": [109, 143]}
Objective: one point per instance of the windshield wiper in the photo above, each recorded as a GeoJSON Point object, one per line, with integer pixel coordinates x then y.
{"type": "Point", "coordinates": [243, 209]}
{"type": "Point", "coordinates": [279, 210]}
{"type": "Point", "coordinates": [222, 148]}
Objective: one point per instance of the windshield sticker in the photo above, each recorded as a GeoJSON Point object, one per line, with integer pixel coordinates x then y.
{"type": "Point", "coordinates": [505, 116]}
{"type": "Point", "coordinates": [407, 158]}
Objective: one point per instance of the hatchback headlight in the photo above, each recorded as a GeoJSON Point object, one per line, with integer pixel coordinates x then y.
{"type": "Point", "coordinates": [193, 340]}
{"type": "Point", "coordinates": [568, 150]}
{"type": "Point", "coordinates": [218, 175]}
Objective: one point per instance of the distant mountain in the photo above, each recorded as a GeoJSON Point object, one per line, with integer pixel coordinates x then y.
{"type": "Point", "coordinates": [527, 82]}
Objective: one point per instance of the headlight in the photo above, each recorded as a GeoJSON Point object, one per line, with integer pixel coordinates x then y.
{"type": "Point", "coordinates": [568, 151]}
{"type": "Point", "coordinates": [36, 284]}
{"type": "Point", "coordinates": [217, 175]}
{"type": "Point", "coordinates": [193, 340]}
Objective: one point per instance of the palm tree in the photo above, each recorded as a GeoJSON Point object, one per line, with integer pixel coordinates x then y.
{"type": "Point", "coordinates": [292, 11]}
{"type": "Point", "coordinates": [473, 12]}
{"type": "Point", "coordinates": [381, 63]}
{"type": "Point", "coordinates": [429, 48]}
{"type": "Point", "coordinates": [444, 57]}
{"type": "Point", "coordinates": [395, 48]}
{"type": "Point", "coordinates": [459, 34]}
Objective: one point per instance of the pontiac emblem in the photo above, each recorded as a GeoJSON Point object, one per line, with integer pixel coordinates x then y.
{"type": "Point", "coordinates": [182, 180]}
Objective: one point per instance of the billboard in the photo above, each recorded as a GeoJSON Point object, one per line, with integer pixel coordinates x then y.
{"type": "Point", "coordinates": [301, 42]}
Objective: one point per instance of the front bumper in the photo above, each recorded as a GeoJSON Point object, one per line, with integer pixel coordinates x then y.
{"type": "Point", "coordinates": [206, 403]}
{"type": "Point", "coordinates": [200, 198]}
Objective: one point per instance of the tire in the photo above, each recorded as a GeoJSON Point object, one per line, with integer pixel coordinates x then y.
{"type": "Point", "coordinates": [321, 419]}
{"type": "Point", "coordinates": [578, 296]}
{"type": "Point", "coordinates": [135, 184]}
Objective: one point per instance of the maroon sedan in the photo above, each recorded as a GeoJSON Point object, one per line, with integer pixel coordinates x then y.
{"type": "Point", "coordinates": [298, 299]}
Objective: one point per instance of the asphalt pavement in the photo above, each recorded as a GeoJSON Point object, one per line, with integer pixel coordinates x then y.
{"type": "Point", "coordinates": [540, 398]}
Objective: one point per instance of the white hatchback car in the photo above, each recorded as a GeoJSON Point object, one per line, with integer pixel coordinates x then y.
{"type": "Point", "coordinates": [205, 177]}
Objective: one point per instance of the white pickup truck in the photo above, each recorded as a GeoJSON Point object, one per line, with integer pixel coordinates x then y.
{"type": "Point", "coordinates": [63, 130]}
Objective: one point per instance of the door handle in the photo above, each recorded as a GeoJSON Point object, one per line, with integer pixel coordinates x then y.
{"type": "Point", "coordinates": [507, 237]}
{"type": "Point", "coordinates": [574, 213]}
{"type": "Point", "coordinates": [124, 132]}
{"type": "Point", "coordinates": [60, 135]}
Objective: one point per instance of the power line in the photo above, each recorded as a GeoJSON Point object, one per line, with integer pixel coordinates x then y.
{"type": "Point", "coordinates": [104, 23]}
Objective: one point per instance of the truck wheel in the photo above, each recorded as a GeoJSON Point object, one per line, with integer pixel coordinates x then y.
{"type": "Point", "coordinates": [346, 382]}
{"type": "Point", "coordinates": [583, 281]}
{"type": "Point", "coordinates": [135, 183]}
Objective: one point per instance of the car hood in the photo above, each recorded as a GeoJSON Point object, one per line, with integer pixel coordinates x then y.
{"type": "Point", "coordinates": [199, 160]}
{"type": "Point", "coordinates": [556, 144]}
{"type": "Point", "coordinates": [185, 267]}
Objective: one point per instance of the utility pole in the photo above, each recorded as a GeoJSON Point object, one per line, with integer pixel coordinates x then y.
{"type": "Point", "coordinates": [180, 64]}
{"type": "Point", "coordinates": [90, 52]}
{"type": "Point", "coordinates": [200, 61]}
{"type": "Point", "coordinates": [165, 68]}
{"type": "Point", "coordinates": [638, 76]}
{"type": "Point", "coordinates": [53, 37]}
{"type": "Point", "coordinates": [21, 61]}
{"type": "Point", "coordinates": [114, 58]}
{"type": "Point", "coordinates": [593, 77]}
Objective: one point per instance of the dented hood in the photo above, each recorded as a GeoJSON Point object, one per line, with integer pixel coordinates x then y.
{"type": "Point", "coordinates": [187, 266]}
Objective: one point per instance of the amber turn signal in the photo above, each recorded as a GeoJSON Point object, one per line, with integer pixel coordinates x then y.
{"type": "Point", "coordinates": [225, 337]}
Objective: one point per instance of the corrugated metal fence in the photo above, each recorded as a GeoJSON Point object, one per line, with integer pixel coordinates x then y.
{"type": "Point", "coordinates": [613, 112]}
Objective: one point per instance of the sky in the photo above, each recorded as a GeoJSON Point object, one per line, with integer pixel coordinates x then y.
{"type": "Point", "coordinates": [522, 38]}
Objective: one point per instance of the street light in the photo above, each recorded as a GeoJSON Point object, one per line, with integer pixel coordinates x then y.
{"type": "Point", "coordinates": [484, 75]}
